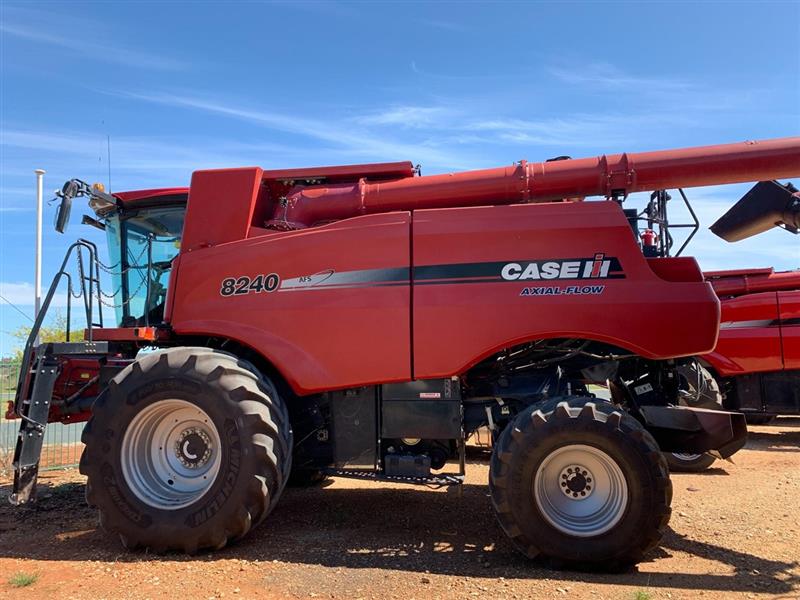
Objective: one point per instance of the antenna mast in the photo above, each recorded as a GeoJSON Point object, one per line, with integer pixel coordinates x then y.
{"type": "Point", "coordinates": [108, 148]}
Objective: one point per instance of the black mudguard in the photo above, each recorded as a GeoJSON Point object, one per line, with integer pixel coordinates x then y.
{"type": "Point", "coordinates": [695, 430]}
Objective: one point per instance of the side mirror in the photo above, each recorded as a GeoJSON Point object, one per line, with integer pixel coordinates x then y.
{"type": "Point", "coordinates": [70, 189]}
{"type": "Point", "coordinates": [62, 213]}
{"type": "Point", "coordinates": [768, 204]}
{"type": "Point", "coordinates": [68, 192]}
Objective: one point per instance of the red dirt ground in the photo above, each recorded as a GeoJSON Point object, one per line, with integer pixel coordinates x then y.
{"type": "Point", "coordinates": [735, 533]}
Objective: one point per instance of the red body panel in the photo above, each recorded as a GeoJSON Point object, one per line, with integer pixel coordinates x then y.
{"type": "Point", "coordinates": [320, 338]}
{"type": "Point", "coordinates": [789, 305]}
{"type": "Point", "coordinates": [75, 373]}
{"type": "Point", "coordinates": [329, 332]}
{"type": "Point", "coordinates": [221, 206]}
{"type": "Point", "coordinates": [739, 282]}
{"type": "Point", "coordinates": [150, 195]}
{"type": "Point", "coordinates": [748, 340]}
{"type": "Point", "coordinates": [122, 334]}
{"type": "Point", "coordinates": [760, 329]}
{"type": "Point", "coordinates": [729, 273]}
{"type": "Point", "coordinates": [457, 325]}
{"type": "Point", "coordinates": [373, 171]}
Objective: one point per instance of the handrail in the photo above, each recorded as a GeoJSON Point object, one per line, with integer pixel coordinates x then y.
{"type": "Point", "coordinates": [88, 295]}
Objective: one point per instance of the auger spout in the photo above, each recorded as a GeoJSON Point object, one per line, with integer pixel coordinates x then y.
{"type": "Point", "coordinates": [612, 175]}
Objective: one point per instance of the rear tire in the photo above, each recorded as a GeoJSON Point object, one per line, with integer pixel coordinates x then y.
{"type": "Point", "coordinates": [581, 483]}
{"type": "Point", "coordinates": [187, 449]}
{"type": "Point", "coordinates": [699, 389]}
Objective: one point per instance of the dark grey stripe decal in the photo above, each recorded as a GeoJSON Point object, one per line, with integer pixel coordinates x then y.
{"type": "Point", "coordinates": [458, 281]}
{"type": "Point", "coordinates": [330, 279]}
{"type": "Point", "coordinates": [455, 271]}
{"type": "Point", "coordinates": [760, 323]}
{"type": "Point", "coordinates": [343, 287]}
{"type": "Point", "coordinates": [444, 274]}
{"type": "Point", "coordinates": [742, 324]}
{"type": "Point", "coordinates": [493, 269]}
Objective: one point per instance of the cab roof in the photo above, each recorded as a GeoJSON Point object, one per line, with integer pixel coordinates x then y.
{"type": "Point", "coordinates": [134, 196]}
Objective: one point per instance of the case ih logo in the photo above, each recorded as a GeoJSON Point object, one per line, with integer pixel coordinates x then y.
{"type": "Point", "coordinates": [597, 267]}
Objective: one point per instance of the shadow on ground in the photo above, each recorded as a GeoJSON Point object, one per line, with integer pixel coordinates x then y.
{"type": "Point", "coordinates": [373, 527]}
{"type": "Point", "coordinates": [783, 436]}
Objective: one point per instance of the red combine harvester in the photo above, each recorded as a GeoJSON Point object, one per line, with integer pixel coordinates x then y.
{"type": "Point", "coordinates": [363, 321]}
{"type": "Point", "coordinates": [757, 357]}
{"type": "Point", "coordinates": [755, 368]}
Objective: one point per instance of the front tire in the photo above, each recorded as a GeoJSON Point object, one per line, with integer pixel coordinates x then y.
{"type": "Point", "coordinates": [187, 449]}
{"type": "Point", "coordinates": [581, 483]}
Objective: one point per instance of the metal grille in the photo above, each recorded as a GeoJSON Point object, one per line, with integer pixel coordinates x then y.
{"type": "Point", "coordinates": [62, 446]}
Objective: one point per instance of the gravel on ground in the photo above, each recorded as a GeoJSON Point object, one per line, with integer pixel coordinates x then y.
{"type": "Point", "coordinates": [735, 533]}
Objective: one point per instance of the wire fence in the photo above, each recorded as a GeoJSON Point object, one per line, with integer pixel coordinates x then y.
{"type": "Point", "coordinates": [62, 443]}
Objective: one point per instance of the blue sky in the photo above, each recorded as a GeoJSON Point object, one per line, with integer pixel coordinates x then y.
{"type": "Point", "coordinates": [182, 86]}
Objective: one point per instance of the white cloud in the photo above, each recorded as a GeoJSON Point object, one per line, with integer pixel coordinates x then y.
{"type": "Point", "coordinates": [343, 135]}
{"type": "Point", "coordinates": [89, 47]}
{"type": "Point", "coordinates": [406, 116]}
{"type": "Point", "coordinates": [17, 199]}
{"type": "Point", "coordinates": [608, 76]}
{"type": "Point", "coordinates": [440, 136]}
{"type": "Point", "coordinates": [21, 295]}
{"type": "Point", "coordinates": [579, 130]}
{"type": "Point", "coordinates": [576, 130]}
{"type": "Point", "coordinates": [131, 154]}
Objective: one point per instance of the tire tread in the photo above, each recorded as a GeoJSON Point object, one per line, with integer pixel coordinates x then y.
{"type": "Point", "coordinates": [263, 415]}
{"type": "Point", "coordinates": [501, 482]}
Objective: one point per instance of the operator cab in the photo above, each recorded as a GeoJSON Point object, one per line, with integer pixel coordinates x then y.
{"type": "Point", "coordinates": [143, 239]}
{"type": "Point", "coordinates": [143, 230]}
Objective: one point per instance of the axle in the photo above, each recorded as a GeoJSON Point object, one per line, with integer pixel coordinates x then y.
{"type": "Point", "coordinates": [613, 175]}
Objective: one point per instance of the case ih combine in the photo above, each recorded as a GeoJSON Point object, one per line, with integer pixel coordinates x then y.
{"type": "Point", "coordinates": [755, 368]}
{"type": "Point", "coordinates": [363, 321]}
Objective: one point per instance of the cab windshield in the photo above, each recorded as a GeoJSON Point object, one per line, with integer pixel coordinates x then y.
{"type": "Point", "coordinates": [141, 246]}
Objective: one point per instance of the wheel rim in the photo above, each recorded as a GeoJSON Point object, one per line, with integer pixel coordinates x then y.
{"type": "Point", "coordinates": [686, 457]}
{"type": "Point", "coordinates": [170, 454]}
{"type": "Point", "coordinates": [580, 490]}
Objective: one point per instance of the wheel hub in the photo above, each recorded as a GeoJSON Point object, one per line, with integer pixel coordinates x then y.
{"type": "Point", "coordinates": [171, 454]}
{"type": "Point", "coordinates": [577, 482]}
{"type": "Point", "coordinates": [193, 448]}
{"type": "Point", "coordinates": [580, 490]}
